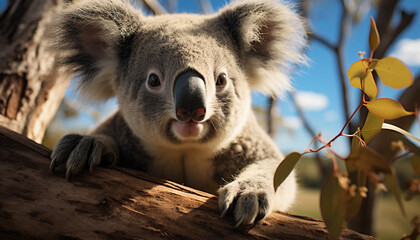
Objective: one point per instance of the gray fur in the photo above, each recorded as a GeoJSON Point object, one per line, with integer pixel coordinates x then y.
{"type": "Point", "coordinates": [115, 49]}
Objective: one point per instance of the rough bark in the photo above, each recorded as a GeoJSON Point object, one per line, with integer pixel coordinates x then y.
{"type": "Point", "coordinates": [30, 87]}
{"type": "Point", "coordinates": [118, 203]}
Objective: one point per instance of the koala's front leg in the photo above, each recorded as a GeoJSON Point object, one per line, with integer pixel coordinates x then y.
{"type": "Point", "coordinates": [251, 195]}
{"type": "Point", "coordinates": [77, 151]}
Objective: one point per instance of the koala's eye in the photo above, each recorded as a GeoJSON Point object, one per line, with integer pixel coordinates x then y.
{"type": "Point", "coordinates": [221, 80]}
{"type": "Point", "coordinates": [154, 81]}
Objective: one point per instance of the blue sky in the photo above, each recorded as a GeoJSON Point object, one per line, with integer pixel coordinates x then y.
{"type": "Point", "coordinates": [317, 84]}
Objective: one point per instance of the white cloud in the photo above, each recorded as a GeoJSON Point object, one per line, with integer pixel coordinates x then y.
{"type": "Point", "coordinates": [408, 51]}
{"type": "Point", "coordinates": [292, 122]}
{"type": "Point", "coordinates": [311, 101]}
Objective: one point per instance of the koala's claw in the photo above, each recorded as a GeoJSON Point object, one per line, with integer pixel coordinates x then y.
{"type": "Point", "coordinates": [76, 152]}
{"type": "Point", "coordinates": [248, 202]}
{"type": "Point", "coordinates": [224, 210]}
{"type": "Point", "coordinates": [239, 223]}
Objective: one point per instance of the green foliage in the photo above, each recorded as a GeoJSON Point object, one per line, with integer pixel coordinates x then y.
{"type": "Point", "coordinates": [393, 73]}
{"type": "Point", "coordinates": [372, 127]}
{"type": "Point", "coordinates": [386, 108]}
{"type": "Point", "coordinates": [285, 168]}
{"type": "Point", "coordinates": [341, 195]}
{"type": "Point", "coordinates": [374, 39]}
{"type": "Point", "coordinates": [333, 208]}
{"type": "Point", "coordinates": [391, 179]}
{"type": "Point", "coordinates": [361, 77]}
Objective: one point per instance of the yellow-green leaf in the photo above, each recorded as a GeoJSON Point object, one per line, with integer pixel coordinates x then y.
{"type": "Point", "coordinates": [366, 159]}
{"type": "Point", "coordinates": [374, 39]}
{"type": "Point", "coordinates": [358, 75]}
{"type": "Point", "coordinates": [372, 126]}
{"type": "Point", "coordinates": [387, 108]}
{"type": "Point", "coordinates": [333, 206]}
{"type": "Point", "coordinates": [394, 186]}
{"type": "Point", "coordinates": [285, 168]}
{"type": "Point", "coordinates": [353, 207]}
{"type": "Point", "coordinates": [393, 73]}
{"type": "Point", "coordinates": [415, 163]}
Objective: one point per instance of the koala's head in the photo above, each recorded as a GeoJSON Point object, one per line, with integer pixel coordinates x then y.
{"type": "Point", "coordinates": [181, 79]}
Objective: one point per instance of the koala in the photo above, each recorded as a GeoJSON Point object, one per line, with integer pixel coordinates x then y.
{"type": "Point", "coordinates": [183, 84]}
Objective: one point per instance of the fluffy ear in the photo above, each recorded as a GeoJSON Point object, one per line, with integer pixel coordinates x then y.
{"type": "Point", "coordinates": [270, 38]}
{"type": "Point", "coordinates": [92, 37]}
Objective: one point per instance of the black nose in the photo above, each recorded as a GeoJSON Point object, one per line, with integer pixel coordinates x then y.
{"type": "Point", "coordinates": [190, 97]}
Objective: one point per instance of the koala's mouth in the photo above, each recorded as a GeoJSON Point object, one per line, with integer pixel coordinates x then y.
{"type": "Point", "coordinates": [188, 130]}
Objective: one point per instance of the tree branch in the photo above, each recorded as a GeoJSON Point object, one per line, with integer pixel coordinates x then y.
{"type": "Point", "coordinates": [321, 165]}
{"type": "Point", "coordinates": [155, 7]}
{"type": "Point", "coordinates": [206, 6]}
{"type": "Point", "coordinates": [119, 203]}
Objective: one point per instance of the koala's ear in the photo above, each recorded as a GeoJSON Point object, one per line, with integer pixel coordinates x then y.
{"type": "Point", "coordinates": [270, 38]}
{"type": "Point", "coordinates": [92, 37]}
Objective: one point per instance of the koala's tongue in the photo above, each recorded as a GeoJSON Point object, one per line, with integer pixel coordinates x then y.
{"type": "Point", "coordinates": [187, 129]}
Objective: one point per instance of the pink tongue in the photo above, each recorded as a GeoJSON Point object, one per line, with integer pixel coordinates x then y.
{"type": "Point", "coordinates": [188, 129]}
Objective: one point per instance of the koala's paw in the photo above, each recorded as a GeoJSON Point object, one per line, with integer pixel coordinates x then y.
{"type": "Point", "coordinates": [77, 151]}
{"type": "Point", "coordinates": [250, 201]}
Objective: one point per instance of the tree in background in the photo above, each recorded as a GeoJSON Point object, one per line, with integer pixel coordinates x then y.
{"type": "Point", "coordinates": [30, 87]}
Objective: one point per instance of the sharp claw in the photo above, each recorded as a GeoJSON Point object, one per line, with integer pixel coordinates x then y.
{"type": "Point", "coordinates": [239, 223]}
{"type": "Point", "coordinates": [68, 175]}
{"type": "Point", "coordinates": [224, 211]}
{"type": "Point", "coordinates": [52, 166]}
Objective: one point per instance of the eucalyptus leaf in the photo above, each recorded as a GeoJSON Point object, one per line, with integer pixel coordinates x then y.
{"type": "Point", "coordinates": [374, 39]}
{"type": "Point", "coordinates": [387, 108]}
{"type": "Point", "coordinates": [394, 186]}
{"type": "Point", "coordinates": [393, 73]}
{"type": "Point", "coordinates": [360, 77]}
{"type": "Point", "coordinates": [285, 168]}
{"type": "Point", "coordinates": [333, 205]}
{"type": "Point", "coordinates": [372, 127]}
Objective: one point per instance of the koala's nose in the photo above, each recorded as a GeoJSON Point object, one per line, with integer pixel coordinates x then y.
{"type": "Point", "coordinates": [190, 97]}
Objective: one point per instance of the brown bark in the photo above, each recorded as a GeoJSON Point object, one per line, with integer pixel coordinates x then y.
{"type": "Point", "coordinates": [118, 203]}
{"type": "Point", "coordinates": [30, 87]}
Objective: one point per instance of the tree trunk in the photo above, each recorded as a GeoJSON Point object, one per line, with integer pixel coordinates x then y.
{"type": "Point", "coordinates": [30, 87]}
{"type": "Point", "coordinates": [118, 203]}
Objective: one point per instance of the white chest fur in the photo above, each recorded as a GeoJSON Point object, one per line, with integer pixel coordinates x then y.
{"type": "Point", "coordinates": [192, 167]}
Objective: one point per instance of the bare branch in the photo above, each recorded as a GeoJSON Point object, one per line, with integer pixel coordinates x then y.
{"type": "Point", "coordinates": [206, 6]}
{"type": "Point", "coordinates": [155, 7]}
{"type": "Point", "coordinates": [344, 23]}
{"type": "Point", "coordinates": [322, 167]}
{"type": "Point", "coordinates": [172, 5]}
{"type": "Point", "coordinates": [320, 39]}
{"type": "Point", "coordinates": [392, 33]}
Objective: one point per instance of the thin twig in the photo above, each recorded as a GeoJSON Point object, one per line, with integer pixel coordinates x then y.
{"type": "Point", "coordinates": [206, 6]}
{"type": "Point", "coordinates": [155, 7]}
{"type": "Point", "coordinates": [322, 167]}
{"type": "Point", "coordinates": [322, 40]}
